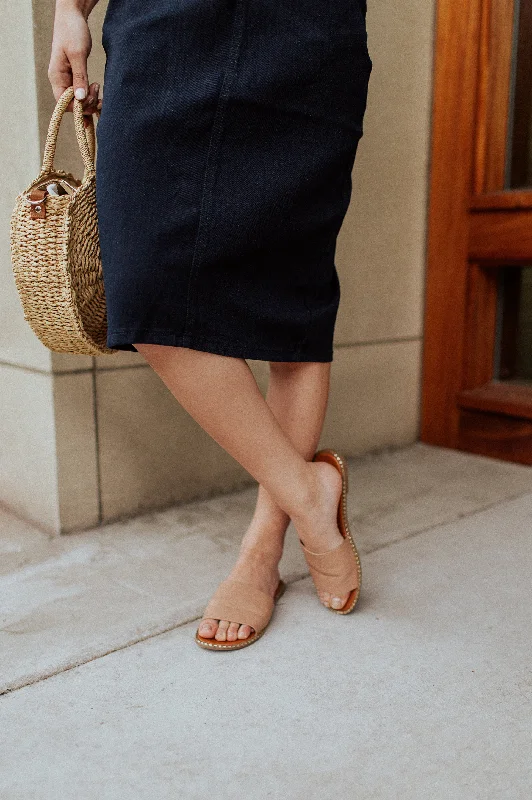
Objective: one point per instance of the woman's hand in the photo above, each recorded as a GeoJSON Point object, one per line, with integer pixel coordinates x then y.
{"type": "Point", "coordinates": [71, 45]}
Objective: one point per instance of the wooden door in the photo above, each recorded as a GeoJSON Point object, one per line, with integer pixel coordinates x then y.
{"type": "Point", "coordinates": [477, 367]}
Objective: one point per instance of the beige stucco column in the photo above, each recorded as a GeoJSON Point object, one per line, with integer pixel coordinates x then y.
{"type": "Point", "coordinates": [86, 440]}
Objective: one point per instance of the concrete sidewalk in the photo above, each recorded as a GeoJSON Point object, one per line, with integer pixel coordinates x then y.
{"type": "Point", "coordinates": [425, 691]}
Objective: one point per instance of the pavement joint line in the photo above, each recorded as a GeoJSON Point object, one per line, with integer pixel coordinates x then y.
{"type": "Point", "coordinates": [167, 629]}
{"type": "Point", "coordinates": [44, 676]}
{"type": "Point", "coordinates": [464, 515]}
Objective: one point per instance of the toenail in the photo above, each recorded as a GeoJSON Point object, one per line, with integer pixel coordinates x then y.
{"type": "Point", "coordinates": [337, 602]}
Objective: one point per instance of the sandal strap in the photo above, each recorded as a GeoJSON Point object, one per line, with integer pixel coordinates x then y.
{"type": "Point", "coordinates": [335, 571]}
{"type": "Point", "coordinates": [240, 602]}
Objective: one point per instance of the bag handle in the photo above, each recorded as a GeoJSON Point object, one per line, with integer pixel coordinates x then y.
{"type": "Point", "coordinates": [86, 137]}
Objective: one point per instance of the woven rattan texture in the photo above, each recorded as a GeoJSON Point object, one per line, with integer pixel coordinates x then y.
{"type": "Point", "coordinates": [56, 260]}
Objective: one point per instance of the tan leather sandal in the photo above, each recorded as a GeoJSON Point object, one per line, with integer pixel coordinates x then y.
{"type": "Point", "coordinates": [337, 571]}
{"type": "Point", "coordinates": [243, 603]}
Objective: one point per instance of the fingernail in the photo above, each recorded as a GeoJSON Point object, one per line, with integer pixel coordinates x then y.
{"type": "Point", "coordinates": [96, 87]}
{"type": "Point", "coordinates": [80, 93]}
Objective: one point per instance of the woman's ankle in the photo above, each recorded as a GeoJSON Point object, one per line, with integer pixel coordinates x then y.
{"type": "Point", "coordinates": [311, 496]}
{"type": "Point", "coordinates": [261, 554]}
{"type": "Point", "coordinates": [315, 521]}
{"type": "Point", "coordinates": [265, 537]}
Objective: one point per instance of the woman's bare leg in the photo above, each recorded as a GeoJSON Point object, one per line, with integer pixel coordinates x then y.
{"type": "Point", "coordinates": [297, 395]}
{"type": "Point", "coordinates": [221, 394]}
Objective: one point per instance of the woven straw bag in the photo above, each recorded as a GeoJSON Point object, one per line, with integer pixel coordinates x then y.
{"type": "Point", "coordinates": [55, 248]}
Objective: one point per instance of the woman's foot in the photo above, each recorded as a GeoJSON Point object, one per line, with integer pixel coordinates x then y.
{"type": "Point", "coordinates": [261, 549]}
{"type": "Point", "coordinates": [256, 564]}
{"type": "Point", "coordinates": [317, 526]}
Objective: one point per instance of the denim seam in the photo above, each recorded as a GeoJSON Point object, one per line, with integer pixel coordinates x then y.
{"type": "Point", "coordinates": [187, 340]}
{"type": "Point", "coordinates": [200, 337]}
{"type": "Point", "coordinates": [212, 154]}
{"type": "Point", "coordinates": [230, 347]}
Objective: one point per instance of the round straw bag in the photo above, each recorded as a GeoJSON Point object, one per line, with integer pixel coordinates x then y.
{"type": "Point", "coordinates": [55, 248]}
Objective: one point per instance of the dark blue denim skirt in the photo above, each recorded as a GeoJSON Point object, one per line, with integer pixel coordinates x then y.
{"type": "Point", "coordinates": [226, 142]}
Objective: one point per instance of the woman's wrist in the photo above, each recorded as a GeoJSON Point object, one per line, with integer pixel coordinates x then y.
{"type": "Point", "coordinates": [83, 6]}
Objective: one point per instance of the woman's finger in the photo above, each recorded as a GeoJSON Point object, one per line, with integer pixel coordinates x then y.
{"type": "Point", "coordinates": [90, 105]}
{"type": "Point", "coordinates": [59, 74]}
{"type": "Point", "coordinates": [91, 101]}
{"type": "Point", "coordinates": [80, 81]}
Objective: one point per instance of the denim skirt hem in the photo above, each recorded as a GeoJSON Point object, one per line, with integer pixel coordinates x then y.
{"type": "Point", "coordinates": [123, 340]}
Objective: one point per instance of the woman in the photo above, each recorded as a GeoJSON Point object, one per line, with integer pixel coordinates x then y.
{"type": "Point", "coordinates": [225, 149]}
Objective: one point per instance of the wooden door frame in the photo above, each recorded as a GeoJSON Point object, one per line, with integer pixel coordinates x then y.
{"type": "Point", "coordinates": [475, 229]}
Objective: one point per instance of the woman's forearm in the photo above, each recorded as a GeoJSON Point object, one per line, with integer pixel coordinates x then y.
{"type": "Point", "coordinates": [84, 6]}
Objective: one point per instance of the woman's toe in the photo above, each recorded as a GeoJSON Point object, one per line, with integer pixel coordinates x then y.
{"type": "Point", "coordinates": [208, 628]}
{"type": "Point", "coordinates": [221, 633]}
{"type": "Point", "coordinates": [244, 631]}
{"type": "Point", "coordinates": [338, 602]}
{"type": "Point", "coordinates": [325, 598]}
{"type": "Point", "coordinates": [232, 631]}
